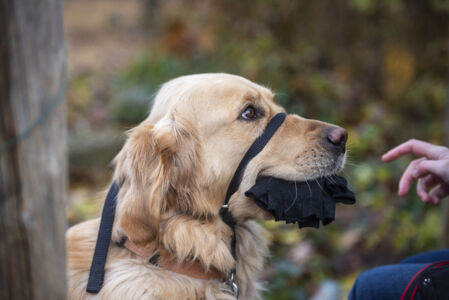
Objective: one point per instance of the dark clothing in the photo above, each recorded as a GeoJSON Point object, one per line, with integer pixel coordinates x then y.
{"type": "Point", "coordinates": [424, 276]}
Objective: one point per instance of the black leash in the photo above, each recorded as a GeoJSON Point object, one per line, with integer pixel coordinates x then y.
{"type": "Point", "coordinates": [96, 275]}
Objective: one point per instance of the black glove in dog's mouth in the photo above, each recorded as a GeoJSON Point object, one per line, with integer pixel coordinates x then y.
{"type": "Point", "coordinates": [306, 203]}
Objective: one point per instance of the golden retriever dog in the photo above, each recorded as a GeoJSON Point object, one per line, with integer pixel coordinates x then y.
{"type": "Point", "coordinates": [174, 171]}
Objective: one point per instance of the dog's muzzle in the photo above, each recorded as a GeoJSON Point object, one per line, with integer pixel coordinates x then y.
{"type": "Point", "coordinates": [306, 203]}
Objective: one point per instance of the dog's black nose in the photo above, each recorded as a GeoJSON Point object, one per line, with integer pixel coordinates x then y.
{"type": "Point", "coordinates": [336, 139]}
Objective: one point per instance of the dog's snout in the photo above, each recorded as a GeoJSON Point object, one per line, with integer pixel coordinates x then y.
{"type": "Point", "coordinates": [336, 138]}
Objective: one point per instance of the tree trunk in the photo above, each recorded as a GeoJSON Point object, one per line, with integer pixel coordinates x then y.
{"type": "Point", "coordinates": [33, 167]}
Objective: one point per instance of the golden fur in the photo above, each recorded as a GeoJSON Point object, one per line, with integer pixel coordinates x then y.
{"type": "Point", "coordinates": [175, 168]}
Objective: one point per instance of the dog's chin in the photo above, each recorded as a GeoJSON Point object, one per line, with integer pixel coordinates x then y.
{"type": "Point", "coordinates": [326, 168]}
{"type": "Point", "coordinates": [334, 168]}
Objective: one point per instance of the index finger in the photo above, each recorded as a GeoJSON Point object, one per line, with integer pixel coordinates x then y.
{"type": "Point", "coordinates": [415, 147]}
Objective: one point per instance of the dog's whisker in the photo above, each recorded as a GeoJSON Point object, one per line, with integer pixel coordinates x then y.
{"type": "Point", "coordinates": [310, 189]}
{"type": "Point", "coordinates": [319, 185]}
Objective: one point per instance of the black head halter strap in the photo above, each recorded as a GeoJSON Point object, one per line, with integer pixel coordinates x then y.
{"type": "Point", "coordinates": [255, 149]}
{"type": "Point", "coordinates": [96, 275]}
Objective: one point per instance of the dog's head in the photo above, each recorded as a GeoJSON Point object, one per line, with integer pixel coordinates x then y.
{"type": "Point", "coordinates": [181, 159]}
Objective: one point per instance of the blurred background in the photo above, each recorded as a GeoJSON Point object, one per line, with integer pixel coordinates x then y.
{"type": "Point", "coordinates": [379, 68]}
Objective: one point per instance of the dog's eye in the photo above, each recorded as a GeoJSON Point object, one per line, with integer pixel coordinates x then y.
{"type": "Point", "coordinates": [250, 113]}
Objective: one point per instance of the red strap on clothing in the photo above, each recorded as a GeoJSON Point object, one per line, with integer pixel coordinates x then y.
{"type": "Point", "coordinates": [411, 289]}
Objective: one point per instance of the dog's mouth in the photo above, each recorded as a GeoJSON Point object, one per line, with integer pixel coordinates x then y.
{"type": "Point", "coordinates": [309, 168]}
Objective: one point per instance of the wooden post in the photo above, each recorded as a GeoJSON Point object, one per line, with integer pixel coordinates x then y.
{"type": "Point", "coordinates": [33, 167]}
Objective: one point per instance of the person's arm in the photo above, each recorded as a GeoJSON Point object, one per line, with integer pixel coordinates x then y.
{"type": "Point", "coordinates": [431, 170]}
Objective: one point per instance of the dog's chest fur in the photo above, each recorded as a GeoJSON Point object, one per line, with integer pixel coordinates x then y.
{"type": "Point", "coordinates": [130, 277]}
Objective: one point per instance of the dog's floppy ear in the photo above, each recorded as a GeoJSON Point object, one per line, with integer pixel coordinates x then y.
{"type": "Point", "coordinates": [159, 169]}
